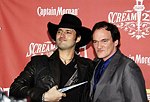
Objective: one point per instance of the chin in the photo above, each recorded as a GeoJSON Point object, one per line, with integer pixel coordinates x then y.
{"type": "Point", "coordinates": [100, 56]}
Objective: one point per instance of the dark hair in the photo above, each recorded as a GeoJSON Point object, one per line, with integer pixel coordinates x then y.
{"type": "Point", "coordinates": [115, 34]}
{"type": "Point", "coordinates": [77, 45]}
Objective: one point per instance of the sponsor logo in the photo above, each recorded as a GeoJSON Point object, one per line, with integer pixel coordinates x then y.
{"type": "Point", "coordinates": [138, 58]}
{"type": "Point", "coordinates": [47, 48]}
{"type": "Point", "coordinates": [135, 21]}
{"type": "Point", "coordinates": [56, 11]}
{"type": "Point", "coordinates": [40, 49]}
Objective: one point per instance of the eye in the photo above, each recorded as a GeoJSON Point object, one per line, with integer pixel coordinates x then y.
{"type": "Point", "coordinates": [59, 31]}
{"type": "Point", "coordinates": [105, 40]}
{"type": "Point", "coordinates": [68, 32]}
{"type": "Point", "coordinates": [94, 41]}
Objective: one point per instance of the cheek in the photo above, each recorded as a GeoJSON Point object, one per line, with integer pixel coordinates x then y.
{"type": "Point", "coordinates": [109, 49]}
{"type": "Point", "coordinates": [57, 36]}
{"type": "Point", "coordinates": [94, 46]}
{"type": "Point", "coordinates": [72, 38]}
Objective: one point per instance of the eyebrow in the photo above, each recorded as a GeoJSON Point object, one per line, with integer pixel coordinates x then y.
{"type": "Point", "coordinates": [66, 29]}
{"type": "Point", "coordinates": [101, 39]}
{"type": "Point", "coordinates": [105, 39]}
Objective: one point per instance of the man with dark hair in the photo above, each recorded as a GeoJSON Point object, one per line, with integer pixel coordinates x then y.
{"type": "Point", "coordinates": [116, 78]}
{"type": "Point", "coordinates": [43, 75]}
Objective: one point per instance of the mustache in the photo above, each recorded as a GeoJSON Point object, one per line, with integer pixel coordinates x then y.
{"type": "Point", "coordinates": [61, 39]}
{"type": "Point", "coordinates": [100, 50]}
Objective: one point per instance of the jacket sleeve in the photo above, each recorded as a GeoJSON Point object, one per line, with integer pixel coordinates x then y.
{"type": "Point", "coordinates": [23, 86]}
{"type": "Point", "coordinates": [134, 84]}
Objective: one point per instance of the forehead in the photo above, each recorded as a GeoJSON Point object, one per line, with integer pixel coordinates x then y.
{"type": "Point", "coordinates": [66, 29]}
{"type": "Point", "coordinates": [101, 33]}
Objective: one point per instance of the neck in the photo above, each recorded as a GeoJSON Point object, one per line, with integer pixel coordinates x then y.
{"type": "Point", "coordinates": [66, 56]}
{"type": "Point", "coordinates": [113, 52]}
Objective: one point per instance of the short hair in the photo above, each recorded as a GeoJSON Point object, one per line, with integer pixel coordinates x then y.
{"type": "Point", "coordinates": [115, 34]}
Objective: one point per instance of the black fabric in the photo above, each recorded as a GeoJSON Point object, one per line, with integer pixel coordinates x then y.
{"type": "Point", "coordinates": [42, 73]}
{"type": "Point", "coordinates": [66, 72]}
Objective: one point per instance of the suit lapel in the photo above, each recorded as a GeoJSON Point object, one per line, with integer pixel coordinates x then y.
{"type": "Point", "coordinates": [104, 80]}
{"type": "Point", "coordinates": [110, 70]}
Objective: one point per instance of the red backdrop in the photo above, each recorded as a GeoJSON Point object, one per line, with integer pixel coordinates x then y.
{"type": "Point", "coordinates": [23, 30]}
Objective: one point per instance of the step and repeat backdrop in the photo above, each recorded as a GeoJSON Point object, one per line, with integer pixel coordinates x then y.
{"type": "Point", "coordinates": [23, 30]}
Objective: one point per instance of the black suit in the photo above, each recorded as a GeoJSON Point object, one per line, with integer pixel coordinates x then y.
{"type": "Point", "coordinates": [122, 81]}
{"type": "Point", "coordinates": [42, 73]}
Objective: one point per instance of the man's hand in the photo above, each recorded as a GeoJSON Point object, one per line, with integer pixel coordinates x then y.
{"type": "Point", "coordinates": [53, 95]}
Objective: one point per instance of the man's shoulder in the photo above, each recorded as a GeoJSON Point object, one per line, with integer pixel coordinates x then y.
{"type": "Point", "coordinates": [39, 58]}
{"type": "Point", "coordinates": [39, 61]}
{"type": "Point", "coordinates": [127, 59]}
{"type": "Point", "coordinates": [128, 62]}
{"type": "Point", "coordinates": [123, 57]}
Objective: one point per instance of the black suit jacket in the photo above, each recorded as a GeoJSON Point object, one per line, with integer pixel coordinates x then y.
{"type": "Point", "coordinates": [42, 73]}
{"type": "Point", "coordinates": [122, 81]}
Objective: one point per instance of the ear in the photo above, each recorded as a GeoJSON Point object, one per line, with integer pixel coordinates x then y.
{"type": "Point", "coordinates": [78, 39]}
{"type": "Point", "coordinates": [116, 42]}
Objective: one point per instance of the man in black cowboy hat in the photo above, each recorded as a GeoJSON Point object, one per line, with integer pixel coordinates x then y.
{"type": "Point", "coordinates": [43, 76]}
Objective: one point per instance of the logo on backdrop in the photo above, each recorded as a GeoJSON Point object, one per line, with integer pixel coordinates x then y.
{"type": "Point", "coordinates": [136, 21]}
{"type": "Point", "coordinates": [56, 11]}
{"type": "Point", "coordinates": [138, 58]}
{"type": "Point", "coordinates": [47, 48]}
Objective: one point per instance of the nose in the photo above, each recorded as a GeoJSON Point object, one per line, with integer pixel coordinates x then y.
{"type": "Point", "coordinates": [62, 34]}
{"type": "Point", "coordinates": [99, 44]}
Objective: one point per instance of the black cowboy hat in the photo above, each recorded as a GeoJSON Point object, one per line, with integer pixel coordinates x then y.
{"type": "Point", "coordinates": [73, 22]}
